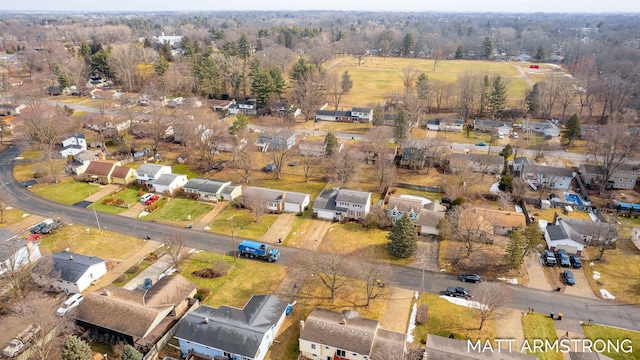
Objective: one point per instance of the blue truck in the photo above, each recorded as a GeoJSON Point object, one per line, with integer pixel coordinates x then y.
{"type": "Point", "coordinates": [252, 249]}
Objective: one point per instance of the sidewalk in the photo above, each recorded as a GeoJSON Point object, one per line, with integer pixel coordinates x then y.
{"type": "Point", "coordinates": [124, 265]}
{"type": "Point", "coordinates": [568, 329]}
{"type": "Point", "coordinates": [204, 220]}
{"type": "Point", "coordinates": [396, 318]}
{"type": "Point", "coordinates": [510, 326]}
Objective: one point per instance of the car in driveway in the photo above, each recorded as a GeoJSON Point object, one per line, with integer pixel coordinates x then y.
{"type": "Point", "coordinates": [549, 258]}
{"type": "Point", "coordinates": [567, 276]}
{"type": "Point", "coordinates": [481, 144]}
{"type": "Point", "coordinates": [575, 261]}
{"type": "Point", "coordinates": [563, 258]}
{"type": "Point", "coordinates": [71, 303]}
{"type": "Point", "coordinates": [474, 278]}
{"type": "Point", "coordinates": [458, 291]}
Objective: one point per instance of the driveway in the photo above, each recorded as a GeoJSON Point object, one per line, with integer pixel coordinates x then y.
{"type": "Point", "coordinates": [153, 272]}
{"type": "Point", "coordinates": [581, 288]}
{"type": "Point", "coordinates": [427, 252]}
{"type": "Point", "coordinates": [280, 228]}
{"type": "Point", "coordinates": [106, 190]}
{"type": "Point", "coordinates": [535, 269]}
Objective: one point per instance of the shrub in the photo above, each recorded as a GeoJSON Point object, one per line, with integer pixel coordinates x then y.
{"type": "Point", "coordinates": [132, 270]}
{"type": "Point", "coordinates": [202, 294]}
{"type": "Point", "coordinates": [108, 201]}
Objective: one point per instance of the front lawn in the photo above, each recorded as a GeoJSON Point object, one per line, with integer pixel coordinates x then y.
{"type": "Point", "coordinates": [179, 211]}
{"type": "Point", "coordinates": [128, 195]}
{"type": "Point", "coordinates": [540, 327]}
{"type": "Point", "coordinates": [67, 191]}
{"type": "Point", "coordinates": [91, 242]}
{"type": "Point", "coordinates": [244, 278]}
{"type": "Point", "coordinates": [243, 222]}
{"type": "Point", "coordinates": [11, 216]}
{"type": "Point", "coordinates": [628, 349]}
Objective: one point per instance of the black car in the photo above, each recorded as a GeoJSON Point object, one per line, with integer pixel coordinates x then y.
{"type": "Point", "coordinates": [474, 278]}
{"type": "Point", "coordinates": [458, 291]}
{"type": "Point", "coordinates": [568, 277]}
{"type": "Point", "coordinates": [575, 261]}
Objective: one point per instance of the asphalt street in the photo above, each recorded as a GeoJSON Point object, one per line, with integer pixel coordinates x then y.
{"type": "Point", "coordinates": [604, 312]}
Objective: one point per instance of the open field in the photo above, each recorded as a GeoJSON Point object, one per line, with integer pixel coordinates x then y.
{"type": "Point", "coordinates": [595, 332]}
{"type": "Point", "coordinates": [377, 77]}
{"type": "Point", "coordinates": [179, 211]}
{"type": "Point", "coordinates": [67, 191]}
{"type": "Point", "coordinates": [539, 326]}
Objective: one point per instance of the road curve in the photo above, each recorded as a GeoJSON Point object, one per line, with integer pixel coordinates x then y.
{"type": "Point", "coordinates": [601, 311]}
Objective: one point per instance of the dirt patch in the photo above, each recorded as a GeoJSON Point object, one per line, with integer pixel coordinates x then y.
{"type": "Point", "coordinates": [208, 273]}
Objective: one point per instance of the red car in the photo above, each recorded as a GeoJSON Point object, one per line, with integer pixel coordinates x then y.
{"type": "Point", "coordinates": [33, 237]}
{"type": "Point", "coordinates": [152, 199]}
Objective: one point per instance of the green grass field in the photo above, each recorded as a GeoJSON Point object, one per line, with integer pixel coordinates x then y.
{"type": "Point", "coordinates": [68, 191]}
{"type": "Point", "coordinates": [129, 195]}
{"type": "Point", "coordinates": [179, 211]}
{"type": "Point", "coordinates": [595, 332]}
{"type": "Point", "coordinates": [538, 326]}
{"type": "Point", "coordinates": [243, 222]}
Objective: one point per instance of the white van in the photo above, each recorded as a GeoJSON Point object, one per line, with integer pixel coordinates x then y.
{"type": "Point", "coordinates": [500, 136]}
{"type": "Point", "coordinates": [515, 135]}
{"type": "Point", "coordinates": [145, 197]}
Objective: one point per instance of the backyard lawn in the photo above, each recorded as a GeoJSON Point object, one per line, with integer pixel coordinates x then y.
{"type": "Point", "coordinates": [90, 241]}
{"type": "Point", "coordinates": [540, 327]}
{"type": "Point", "coordinates": [67, 191]}
{"type": "Point", "coordinates": [243, 222]}
{"type": "Point", "coordinates": [179, 211]}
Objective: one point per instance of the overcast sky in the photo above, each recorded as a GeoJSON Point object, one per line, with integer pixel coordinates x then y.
{"type": "Point", "coordinates": [549, 6]}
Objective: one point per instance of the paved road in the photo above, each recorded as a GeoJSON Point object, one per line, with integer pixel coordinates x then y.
{"type": "Point", "coordinates": [573, 307]}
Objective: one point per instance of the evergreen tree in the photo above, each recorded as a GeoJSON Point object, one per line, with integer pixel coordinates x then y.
{"type": "Point", "coordinates": [100, 63]}
{"type": "Point", "coordinates": [572, 130]}
{"type": "Point", "coordinates": [485, 93]}
{"type": "Point", "coordinates": [279, 83]}
{"type": "Point", "coordinates": [63, 80]}
{"type": "Point", "coordinates": [262, 86]}
{"type": "Point", "coordinates": [161, 66]}
{"type": "Point", "coordinates": [423, 87]}
{"type": "Point", "coordinates": [513, 256]}
{"type": "Point", "coordinates": [506, 183]}
{"type": "Point", "coordinates": [541, 54]}
{"type": "Point", "coordinates": [240, 123]}
{"type": "Point", "coordinates": [533, 237]}
{"type": "Point", "coordinates": [532, 100]}
{"type": "Point", "coordinates": [403, 239]}
{"type": "Point", "coordinates": [165, 51]}
{"type": "Point", "coordinates": [506, 153]}
{"type": "Point", "coordinates": [5, 130]}
{"type": "Point", "coordinates": [130, 353]}
{"type": "Point", "coordinates": [147, 43]}
{"type": "Point", "coordinates": [401, 127]}
{"type": "Point", "coordinates": [498, 97]}
{"type": "Point", "coordinates": [378, 115]}
{"type": "Point", "coordinates": [407, 45]}
{"type": "Point", "coordinates": [244, 47]}
{"type": "Point", "coordinates": [300, 68]}
{"type": "Point", "coordinates": [76, 349]}
{"type": "Point", "coordinates": [487, 48]}
{"type": "Point", "coordinates": [330, 143]}
{"type": "Point", "coordinates": [346, 83]}
{"type": "Point", "coordinates": [459, 53]}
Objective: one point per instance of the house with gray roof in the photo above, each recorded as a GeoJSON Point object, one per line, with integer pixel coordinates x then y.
{"type": "Point", "coordinates": [275, 200]}
{"type": "Point", "coordinates": [167, 182]}
{"type": "Point", "coordinates": [206, 189]}
{"type": "Point", "coordinates": [545, 127]}
{"type": "Point", "coordinates": [345, 335]}
{"type": "Point", "coordinates": [624, 177]}
{"type": "Point", "coordinates": [547, 177]}
{"type": "Point", "coordinates": [231, 192]}
{"type": "Point", "coordinates": [521, 161]}
{"type": "Point", "coordinates": [16, 252]}
{"type": "Point", "coordinates": [73, 144]}
{"type": "Point", "coordinates": [484, 163]}
{"type": "Point", "coordinates": [492, 126]}
{"type": "Point", "coordinates": [573, 235]}
{"type": "Point", "coordinates": [73, 273]}
{"type": "Point", "coordinates": [342, 204]}
{"type": "Point", "coordinates": [357, 114]}
{"type": "Point", "coordinates": [445, 124]}
{"type": "Point", "coordinates": [148, 172]}
{"type": "Point", "coordinates": [232, 333]}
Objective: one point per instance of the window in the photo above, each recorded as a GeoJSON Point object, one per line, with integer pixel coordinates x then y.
{"type": "Point", "coordinates": [313, 346]}
{"type": "Point", "coordinates": [341, 353]}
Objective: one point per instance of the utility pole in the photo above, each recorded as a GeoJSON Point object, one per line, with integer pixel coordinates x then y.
{"type": "Point", "coordinates": [233, 238]}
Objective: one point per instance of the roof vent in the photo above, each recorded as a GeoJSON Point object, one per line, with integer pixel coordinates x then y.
{"type": "Point", "coordinates": [106, 292]}
{"type": "Point", "coordinates": [71, 257]}
{"type": "Point", "coordinates": [206, 320]}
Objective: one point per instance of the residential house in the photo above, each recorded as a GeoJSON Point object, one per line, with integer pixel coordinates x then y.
{"type": "Point", "coordinates": [231, 192]}
{"type": "Point", "coordinates": [82, 160]}
{"type": "Point", "coordinates": [429, 218]}
{"type": "Point", "coordinates": [316, 147]}
{"type": "Point", "coordinates": [398, 206]}
{"type": "Point", "coordinates": [586, 130]}
{"type": "Point", "coordinates": [246, 107]}
{"type": "Point", "coordinates": [167, 183]}
{"type": "Point", "coordinates": [523, 58]}
{"type": "Point", "coordinates": [123, 175]}
{"type": "Point", "coordinates": [275, 200]}
{"type": "Point", "coordinates": [206, 189]}
{"type": "Point", "coordinates": [74, 273]}
{"type": "Point", "coordinates": [622, 178]}
{"type": "Point", "coordinates": [361, 115]}
{"type": "Point", "coordinates": [492, 126]}
{"type": "Point", "coordinates": [73, 144]}
{"type": "Point", "coordinates": [485, 223]}
{"type": "Point", "coordinates": [484, 163]}
{"type": "Point", "coordinates": [118, 126]}
{"type": "Point", "coordinates": [545, 127]}
{"type": "Point", "coordinates": [370, 155]}
{"type": "Point", "coordinates": [521, 161]}
{"type": "Point", "coordinates": [328, 334]}
{"type": "Point", "coordinates": [444, 348]}
{"type": "Point", "coordinates": [228, 143]}
{"type": "Point", "coordinates": [139, 317]}
{"type": "Point", "coordinates": [342, 204]}
{"type": "Point", "coordinates": [414, 154]}
{"type": "Point", "coordinates": [148, 172]}
{"type": "Point", "coordinates": [504, 222]}
{"type": "Point", "coordinates": [364, 115]}
{"type": "Point", "coordinates": [548, 177]}
{"type": "Point", "coordinates": [283, 109]}
{"type": "Point", "coordinates": [573, 235]}
{"type": "Point", "coordinates": [424, 214]}
{"type": "Point", "coordinates": [173, 40]}
{"type": "Point", "coordinates": [16, 252]}
{"type": "Point", "coordinates": [11, 109]}
{"type": "Point", "coordinates": [232, 333]}
{"type": "Point", "coordinates": [221, 106]}
{"type": "Point", "coordinates": [284, 139]}
{"type": "Point", "coordinates": [446, 124]}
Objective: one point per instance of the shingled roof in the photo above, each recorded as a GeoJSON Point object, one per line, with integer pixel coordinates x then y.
{"type": "Point", "coordinates": [72, 266]}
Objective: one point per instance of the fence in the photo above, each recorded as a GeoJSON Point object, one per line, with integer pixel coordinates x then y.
{"type": "Point", "coordinates": [437, 189]}
{"type": "Point", "coordinates": [154, 353]}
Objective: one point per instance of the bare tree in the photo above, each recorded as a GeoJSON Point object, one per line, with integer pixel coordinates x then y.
{"type": "Point", "coordinates": [467, 93]}
{"type": "Point", "coordinates": [333, 270]}
{"type": "Point", "coordinates": [176, 247]}
{"type": "Point", "coordinates": [540, 148]}
{"type": "Point", "coordinates": [257, 206]}
{"type": "Point", "coordinates": [384, 165]}
{"type": "Point", "coordinates": [278, 133]}
{"type": "Point", "coordinates": [308, 94]}
{"type": "Point", "coordinates": [158, 125]}
{"type": "Point", "coordinates": [549, 94]}
{"type": "Point", "coordinates": [127, 61]}
{"type": "Point", "coordinates": [20, 267]}
{"type": "Point", "coordinates": [373, 273]}
{"type": "Point", "coordinates": [491, 298]}
{"type": "Point", "coordinates": [611, 147]}
{"type": "Point", "coordinates": [244, 161]}
{"type": "Point", "coordinates": [44, 318]}
{"type": "Point", "coordinates": [409, 75]}
{"type": "Point", "coordinates": [310, 164]}
{"type": "Point", "coordinates": [334, 88]}
{"type": "Point", "coordinates": [603, 236]}
{"type": "Point", "coordinates": [567, 92]}
{"type": "Point", "coordinates": [505, 201]}
{"type": "Point", "coordinates": [471, 226]}
{"type": "Point", "coordinates": [379, 215]}
{"type": "Point", "coordinates": [343, 167]}
{"type": "Point", "coordinates": [76, 70]}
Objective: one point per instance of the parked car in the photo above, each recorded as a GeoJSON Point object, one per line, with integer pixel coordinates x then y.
{"type": "Point", "coordinates": [152, 199]}
{"type": "Point", "coordinates": [481, 144]}
{"type": "Point", "coordinates": [43, 227]}
{"type": "Point", "coordinates": [474, 278]}
{"type": "Point", "coordinates": [563, 258]}
{"type": "Point", "coordinates": [575, 261]}
{"type": "Point", "coordinates": [549, 258]}
{"type": "Point", "coordinates": [71, 303]}
{"type": "Point", "coordinates": [514, 135]}
{"type": "Point", "coordinates": [568, 277]}
{"type": "Point", "coordinates": [458, 291]}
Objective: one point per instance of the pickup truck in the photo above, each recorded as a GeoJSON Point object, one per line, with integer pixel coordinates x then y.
{"type": "Point", "coordinates": [458, 291]}
{"type": "Point", "coordinates": [19, 342]}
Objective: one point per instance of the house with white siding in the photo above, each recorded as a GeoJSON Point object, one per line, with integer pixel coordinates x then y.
{"type": "Point", "coordinates": [548, 177]}
{"type": "Point", "coordinates": [73, 273]}
{"type": "Point", "coordinates": [73, 144]}
{"type": "Point", "coordinates": [342, 204]}
{"type": "Point", "coordinates": [624, 177]}
{"type": "Point", "coordinates": [206, 189]}
{"type": "Point", "coordinates": [149, 172]}
{"type": "Point", "coordinates": [275, 200]}
{"type": "Point", "coordinates": [167, 183]}
{"type": "Point", "coordinates": [16, 252]}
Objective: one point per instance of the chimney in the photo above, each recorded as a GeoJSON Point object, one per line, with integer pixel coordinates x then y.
{"type": "Point", "coordinates": [555, 217]}
{"type": "Point", "coordinates": [206, 320]}
{"type": "Point", "coordinates": [343, 322]}
{"type": "Point", "coordinates": [301, 326]}
{"type": "Point", "coordinates": [106, 292]}
{"type": "Point", "coordinates": [70, 257]}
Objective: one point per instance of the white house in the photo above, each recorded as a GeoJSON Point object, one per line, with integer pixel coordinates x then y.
{"type": "Point", "coordinates": [328, 334]}
{"type": "Point", "coordinates": [73, 273]}
{"type": "Point", "coordinates": [73, 144]}
{"type": "Point", "coordinates": [247, 107]}
{"type": "Point", "coordinates": [573, 235]}
{"type": "Point", "coordinates": [521, 161]}
{"type": "Point", "coordinates": [275, 200]}
{"type": "Point", "coordinates": [148, 172]}
{"type": "Point", "coordinates": [338, 204]}
{"type": "Point", "coordinates": [548, 177]}
{"type": "Point", "coordinates": [167, 182]}
{"type": "Point", "coordinates": [206, 189]}
{"type": "Point", "coordinates": [16, 252]}
{"type": "Point", "coordinates": [232, 333]}
{"type": "Point", "coordinates": [231, 192]}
